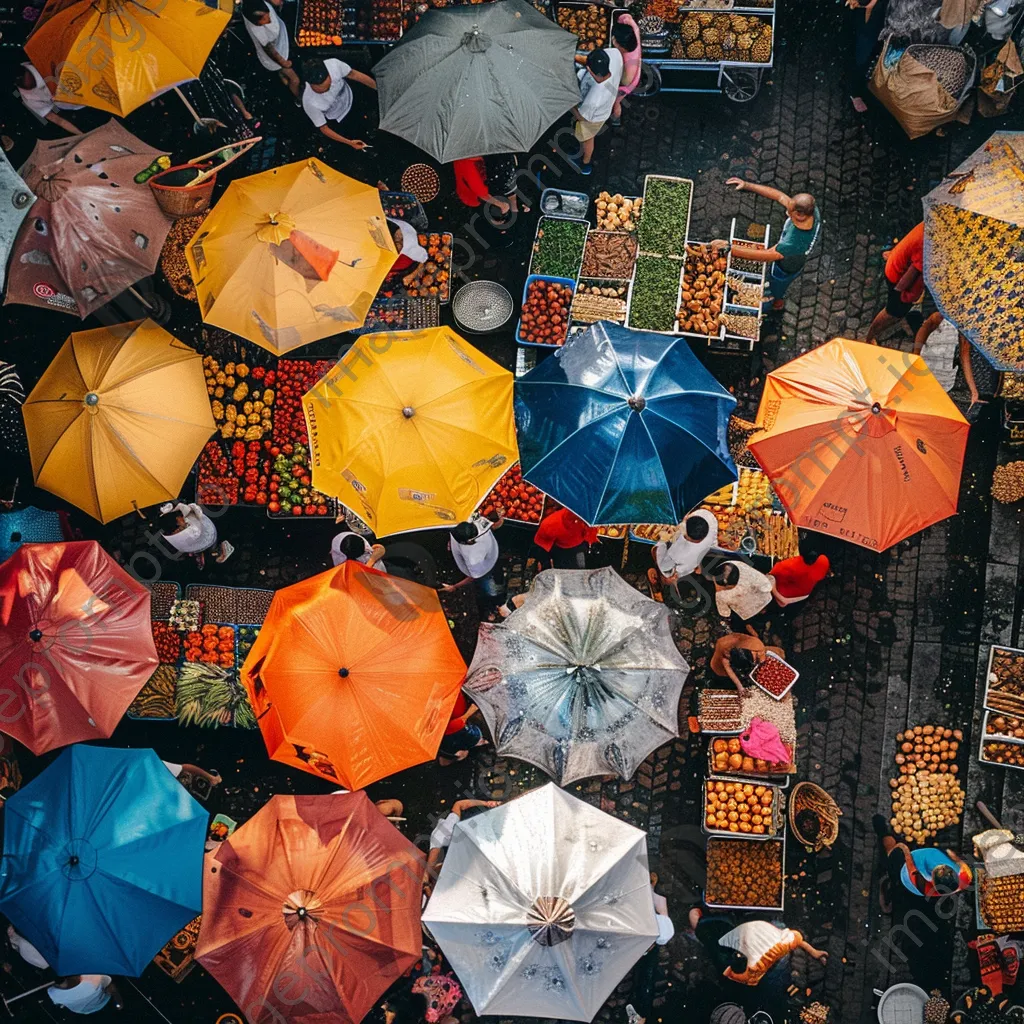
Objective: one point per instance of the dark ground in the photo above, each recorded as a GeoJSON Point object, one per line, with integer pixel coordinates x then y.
{"type": "Point", "coordinates": [888, 640]}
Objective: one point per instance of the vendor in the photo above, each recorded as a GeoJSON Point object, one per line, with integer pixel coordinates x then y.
{"type": "Point", "coordinates": [736, 654]}
{"type": "Point", "coordinates": [562, 541]}
{"type": "Point", "coordinates": [410, 253]}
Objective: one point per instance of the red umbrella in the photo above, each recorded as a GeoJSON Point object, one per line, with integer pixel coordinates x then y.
{"type": "Point", "coordinates": [311, 910]}
{"type": "Point", "coordinates": [76, 644]}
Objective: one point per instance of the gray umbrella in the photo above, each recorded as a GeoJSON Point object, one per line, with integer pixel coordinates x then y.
{"type": "Point", "coordinates": [479, 79]}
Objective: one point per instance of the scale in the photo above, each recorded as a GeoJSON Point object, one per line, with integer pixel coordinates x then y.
{"type": "Point", "coordinates": [482, 306]}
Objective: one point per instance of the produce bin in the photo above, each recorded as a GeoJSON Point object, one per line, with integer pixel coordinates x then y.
{"type": "Point", "coordinates": [1010, 740]}
{"type": "Point", "coordinates": [989, 669]}
{"type": "Point", "coordinates": [603, 283]}
{"type": "Point", "coordinates": [776, 826]}
{"type": "Point", "coordinates": [712, 840]}
{"type": "Point", "coordinates": [553, 280]}
{"type": "Point", "coordinates": [491, 498]}
{"type": "Point", "coordinates": [780, 779]}
{"type": "Point", "coordinates": [555, 202]}
{"type": "Point", "coordinates": [709, 338]}
{"type": "Point", "coordinates": [580, 5]}
{"type": "Point", "coordinates": [572, 220]}
{"type": "Point", "coordinates": [775, 696]}
{"type": "Point", "coordinates": [632, 294]}
{"type": "Point", "coordinates": [401, 313]}
{"type": "Point", "coordinates": [645, 208]}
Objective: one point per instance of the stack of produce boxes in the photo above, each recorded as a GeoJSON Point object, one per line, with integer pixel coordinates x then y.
{"type": "Point", "coordinates": [548, 294]}
{"type": "Point", "coordinates": [1002, 733]}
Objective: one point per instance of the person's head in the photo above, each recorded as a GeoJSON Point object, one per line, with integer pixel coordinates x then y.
{"type": "Point", "coordinates": [23, 77]}
{"type": "Point", "coordinates": [738, 962]}
{"type": "Point", "coordinates": [255, 12]}
{"type": "Point", "coordinates": [464, 533]}
{"type": "Point", "coordinates": [726, 576]}
{"type": "Point", "coordinates": [808, 823]}
{"type": "Point", "coordinates": [404, 1007]}
{"type": "Point", "coordinates": [314, 71]}
{"type": "Point", "coordinates": [741, 659]}
{"type": "Point", "coordinates": [352, 546]}
{"type": "Point", "coordinates": [945, 880]}
{"type": "Point", "coordinates": [808, 549]}
{"type": "Point", "coordinates": [599, 65]}
{"type": "Point", "coordinates": [801, 206]}
{"type": "Point", "coordinates": [696, 528]}
{"type": "Point", "coordinates": [396, 237]}
{"type": "Point", "coordinates": [624, 37]}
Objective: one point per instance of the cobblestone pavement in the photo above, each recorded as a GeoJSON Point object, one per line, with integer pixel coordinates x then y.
{"type": "Point", "coordinates": [887, 640]}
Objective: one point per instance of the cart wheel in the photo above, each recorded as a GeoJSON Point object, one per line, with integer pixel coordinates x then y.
{"type": "Point", "coordinates": [741, 86]}
{"type": "Point", "coordinates": [650, 82]}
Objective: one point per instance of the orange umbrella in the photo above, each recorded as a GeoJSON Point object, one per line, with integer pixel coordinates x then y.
{"type": "Point", "coordinates": [354, 675]}
{"type": "Point", "coordinates": [75, 643]}
{"type": "Point", "coordinates": [861, 443]}
{"type": "Point", "coordinates": [311, 910]}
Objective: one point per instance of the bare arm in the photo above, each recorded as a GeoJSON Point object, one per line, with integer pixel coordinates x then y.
{"type": "Point", "coordinates": [332, 134]}
{"type": "Point", "coordinates": [965, 365]}
{"type": "Point", "coordinates": [924, 332]}
{"type": "Point", "coordinates": [272, 53]}
{"type": "Point", "coordinates": [376, 554]}
{"type": "Point", "coordinates": [62, 122]}
{"type": "Point", "coordinates": [358, 76]}
{"type": "Point", "coordinates": [448, 587]}
{"type": "Point", "coordinates": [460, 806]}
{"type": "Point", "coordinates": [732, 675]}
{"type": "Point", "coordinates": [818, 954]}
{"type": "Point", "coordinates": [761, 190]}
{"type": "Point", "coordinates": [115, 996]}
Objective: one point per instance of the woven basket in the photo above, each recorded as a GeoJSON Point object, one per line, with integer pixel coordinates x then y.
{"type": "Point", "coordinates": [808, 796]}
{"type": "Point", "coordinates": [182, 200]}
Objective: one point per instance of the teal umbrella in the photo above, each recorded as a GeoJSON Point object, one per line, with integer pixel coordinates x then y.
{"type": "Point", "coordinates": [15, 199]}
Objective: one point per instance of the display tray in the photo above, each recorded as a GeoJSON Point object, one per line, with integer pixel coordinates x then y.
{"type": "Point", "coordinates": [518, 509]}
{"type": "Point", "coordinates": [676, 329]}
{"type": "Point", "coordinates": [675, 252]}
{"type": "Point", "coordinates": [996, 738]}
{"type": "Point", "coordinates": [441, 243]}
{"type": "Point", "coordinates": [563, 10]}
{"type": "Point", "coordinates": [563, 205]}
{"type": "Point", "coordinates": [987, 699]}
{"type": "Point", "coordinates": [526, 287]}
{"type": "Point", "coordinates": [596, 217]}
{"type": "Point", "coordinates": [710, 695]}
{"type": "Point", "coordinates": [536, 240]}
{"type": "Point", "coordinates": [780, 779]}
{"type": "Point", "coordinates": [603, 283]}
{"type": "Point", "coordinates": [400, 313]}
{"type": "Point", "coordinates": [755, 672]}
{"type": "Point", "coordinates": [775, 826]}
{"type": "Point", "coordinates": [713, 845]}
{"type": "Point", "coordinates": [1011, 913]}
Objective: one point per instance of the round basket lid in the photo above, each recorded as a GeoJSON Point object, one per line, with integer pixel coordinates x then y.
{"type": "Point", "coordinates": [422, 181]}
{"type": "Point", "coordinates": [482, 306]}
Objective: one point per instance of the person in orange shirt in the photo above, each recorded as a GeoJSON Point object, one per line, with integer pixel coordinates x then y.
{"type": "Point", "coordinates": [904, 279]}
{"type": "Point", "coordinates": [563, 539]}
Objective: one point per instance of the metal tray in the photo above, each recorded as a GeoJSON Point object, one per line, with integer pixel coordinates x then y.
{"type": "Point", "coordinates": [709, 338]}
{"type": "Point", "coordinates": [689, 207]}
{"type": "Point", "coordinates": [540, 226]}
{"type": "Point", "coordinates": [603, 231]}
{"type": "Point", "coordinates": [555, 280]}
{"type": "Point", "coordinates": [996, 739]}
{"type": "Point", "coordinates": [988, 672]}
{"type": "Point", "coordinates": [774, 696]}
{"type": "Point", "coordinates": [556, 197]}
{"type": "Point", "coordinates": [731, 838]}
{"type": "Point", "coordinates": [778, 815]}
{"type": "Point", "coordinates": [779, 779]}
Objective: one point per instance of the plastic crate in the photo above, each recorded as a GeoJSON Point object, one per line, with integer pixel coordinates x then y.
{"type": "Point", "coordinates": [554, 280]}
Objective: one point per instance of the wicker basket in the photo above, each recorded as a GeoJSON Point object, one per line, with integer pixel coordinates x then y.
{"type": "Point", "coordinates": [808, 796]}
{"type": "Point", "coordinates": [182, 200]}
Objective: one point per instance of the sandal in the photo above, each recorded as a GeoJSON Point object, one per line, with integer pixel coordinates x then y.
{"type": "Point", "coordinates": [227, 549]}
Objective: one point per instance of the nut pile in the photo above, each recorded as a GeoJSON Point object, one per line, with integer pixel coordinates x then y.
{"type": "Point", "coordinates": [1000, 725]}
{"type": "Point", "coordinates": [617, 213]}
{"type": "Point", "coordinates": [927, 797]}
{"type": "Point", "coordinates": [1003, 753]}
{"type": "Point", "coordinates": [702, 291]}
{"type": "Point", "coordinates": [816, 1013]}
{"type": "Point", "coordinates": [739, 807]}
{"type": "Point", "coordinates": [1006, 682]}
{"type": "Point", "coordinates": [743, 292]}
{"type": "Point", "coordinates": [928, 747]}
{"type": "Point", "coordinates": [744, 874]}
{"type": "Point", "coordinates": [589, 24]}
{"type": "Point", "coordinates": [741, 325]}
{"type": "Point", "coordinates": [733, 37]}
{"type": "Point", "coordinates": [609, 255]}
{"type": "Point", "coordinates": [1002, 902]}
{"type": "Point", "coordinates": [1007, 482]}
{"type": "Point", "coordinates": [757, 704]}
{"type": "Point", "coordinates": [172, 256]}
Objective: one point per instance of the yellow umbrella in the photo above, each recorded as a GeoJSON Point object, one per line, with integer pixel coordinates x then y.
{"type": "Point", "coordinates": [411, 429]}
{"type": "Point", "coordinates": [291, 255]}
{"type": "Point", "coordinates": [118, 418]}
{"type": "Point", "coordinates": [115, 55]}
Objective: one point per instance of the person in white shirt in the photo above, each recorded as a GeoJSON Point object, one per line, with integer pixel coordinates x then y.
{"type": "Point", "coordinates": [194, 532]}
{"type": "Point", "coordinates": [698, 534]}
{"type": "Point", "coordinates": [328, 96]}
{"type": "Point", "coordinates": [599, 88]}
{"type": "Point", "coordinates": [25, 949]}
{"type": "Point", "coordinates": [441, 837]}
{"type": "Point", "coordinates": [348, 544]}
{"type": "Point", "coordinates": [741, 590]}
{"type": "Point", "coordinates": [270, 37]}
{"type": "Point", "coordinates": [36, 96]}
{"type": "Point", "coordinates": [85, 993]}
{"type": "Point", "coordinates": [475, 551]}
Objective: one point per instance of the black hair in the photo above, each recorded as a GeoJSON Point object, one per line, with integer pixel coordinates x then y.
{"type": "Point", "coordinates": [314, 70]}
{"type": "Point", "coordinates": [472, 812]}
{"type": "Point", "coordinates": [464, 533]}
{"type": "Point", "coordinates": [945, 879]}
{"type": "Point", "coordinates": [741, 659]}
{"type": "Point", "coordinates": [253, 9]}
{"type": "Point", "coordinates": [738, 962]}
{"type": "Point", "coordinates": [808, 551]}
{"type": "Point", "coordinates": [352, 546]}
{"type": "Point", "coordinates": [625, 37]}
{"type": "Point", "coordinates": [696, 527]}
{"type": "Point", "coordinates": [808, 823]}
{"type": "Point", "coordinates": [598, 62]}
{"type": "Point", "coordinates": [169, 522]}
{"type": "Point", "coordinates": [22, 77]}
{"type": "Point", "coordinates": [728, 575]}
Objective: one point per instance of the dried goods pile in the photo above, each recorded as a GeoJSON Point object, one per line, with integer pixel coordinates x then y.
{"type": "Point", "coordinates": [1008, 482]}
{"type": "Point", "coordinates": [1002, 902]}
{"type": "Point", "coordinates": [818, 1013]}
{"type": "Point", "coordinates": [437, 276]}
{"type": "Point", "coordinates": [739, 807]}
{"type": "Point", "coordinates": [655, 294]}
{"type": "Point", "coordinates": [927, 797]}
{"type": "Point", "coordinates": [781, 713]}
{"type": "Point", "coordinates": [545, 316]}
{"type": "Point", "coordinates": [720, 710]}
{"type": "Point", "coordinates": [242, 399]}
{"type": "Point", "coordinates": [997, 752]}
{"type": "Point", "coordinates": [617, 212]}
{"type": "Point", "coordinates": [589, 24]}
{"type": "Point", "coordinates": [742, 873]}
{"type": "Point", "coordinates": [1006, 682]}
{"type": "Point", "coordinates": [172, 256]}
{"type": "Point", "coordinates": [1004, 725]}
{"type": "Point", "coordinates": [588, 307]}
{"type": "Point", "coordinates": [703, 290]}
{"type": "Point", "coordinates": [513, 498]}
{"type": "Point", "coordinates": [609, 255]}
{"type": "Point", "coordinates": [558, 250]}
{"type": "Point", "coordinates": [741, 325]}
{"type": "Point", "coordinates": [743, 292]}
{"type": "Point", "coordinates": [734, 37]}
{"type": "Point", "coordinates": [666, 220]}
{"type": "Point", "coordinates": [747, 266]}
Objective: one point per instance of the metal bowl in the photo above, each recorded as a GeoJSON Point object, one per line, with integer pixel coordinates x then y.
{"type": "Point", "coordinates": [482, 307]}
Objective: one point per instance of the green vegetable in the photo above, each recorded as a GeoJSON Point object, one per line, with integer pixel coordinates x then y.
{"type": "Point", "coordinates": [655, 293]}
{"type": "Point", "coordinates": [210, 697]}
{"type": "Point", "coordinates": [558, 250]}
{"type": "Point", "coordinates": [666, 217]}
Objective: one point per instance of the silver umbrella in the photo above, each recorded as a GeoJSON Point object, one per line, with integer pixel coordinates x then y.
{"type": "Point", "coordinates": [542, 906]}
{"type": "Point", "coordinates": [15, 199]}
{"type": "Point", "coordinates": [584, 679]}
{"type": "Point", "coordinates": [478, 79]}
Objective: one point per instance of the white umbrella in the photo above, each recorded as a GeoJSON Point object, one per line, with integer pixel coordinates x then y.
{"type": "Point", "coordinates": [542, 906]}
{"type": "Point", "coordinates": [584, 679]}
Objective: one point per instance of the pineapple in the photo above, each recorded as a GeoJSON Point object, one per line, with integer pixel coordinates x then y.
{"type": "Point", "coordinates": [706, 18]}
{"type": "Point", "coordinates": [744, 41]}
{"type": "Point", "coordinates": [728, 41]}
{"type": "Point", "coordinates": [713, 51]}
{"type": "Point", "coordinates": [711, 35]}
{"type": "Point", "coordinates": [695, 50]}
{"type": "Point", "coordinates": [689, 30]}
{"type": "Point", "coordinates": [936, 1009]}
{"type": "Point", "coordinates": [761, 51]}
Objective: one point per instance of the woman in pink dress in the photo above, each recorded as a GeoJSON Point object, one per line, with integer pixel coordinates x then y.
{"type": "Point", "coordinates": [626, 39]}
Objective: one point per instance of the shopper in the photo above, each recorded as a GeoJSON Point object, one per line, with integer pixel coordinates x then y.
{"type": "Point", "coordinates": [626, 39]}
{"type": "Point", "coordinates": [349, 544]}
{"type": "Point", "coordinates": [741, 590]}
{"type": "Point", "coordinates": [927, 872]}
{"type": "Point", "coordinates": [85, 993]}
{"type": "Point", "coordinates": [796, 577]}
{"type": "Point", "coordinates": [697, 535]}
{"type": "Point", "coordinates": [904, 281]}
{"type": "Point", "coordinates": [460, 734]}
{"type": "Point", "coordinates": [441, 837]}
{"type": "Point", "coordinates": [501, 170]}
{"type": "Point", "coordinates": [867, 18]}
{"type": "Point", "coordinates": [36, 96]}
{"type": "Point", "coordinates": [789, 254]}
{"type": "Point", "coordinates": [599, 88]}
{"type": "Point", "coordinates": [475, 551]}
{"type": "Point", "coordinates": [194, 533]}
{"type": "Point", "coordinates": [327, 97]}
{"type": "Point", "coordinates": [562, 540]}
{"type": "Point", "coordinates": [736, 654]}
{"type": "Point", "coordinates": [270, 37]}
{"type": "Point", "coordinates": [472, 185]}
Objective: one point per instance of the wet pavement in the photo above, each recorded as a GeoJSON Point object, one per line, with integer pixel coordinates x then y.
{"type": "Point", "coordinates": [888, 640]}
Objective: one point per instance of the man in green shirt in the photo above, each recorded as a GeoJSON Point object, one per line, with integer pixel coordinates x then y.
{"type": "Point", "coordinates": [789, 254]}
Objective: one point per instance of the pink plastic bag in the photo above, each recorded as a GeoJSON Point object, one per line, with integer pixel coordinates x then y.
{"type": "Point", "coordinates": [762, 740]}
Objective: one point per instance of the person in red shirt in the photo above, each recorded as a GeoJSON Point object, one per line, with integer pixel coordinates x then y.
{"type": "Point", "coordinates": [904, 279]}
{"type": "Point", "coordinates": [460, 735]}
{"type": "Point", "coordinates": [563, 539]}
{"type": "Point", "coordinates": [472, 185]}
{"type": "Point", "coordinates": [796, 577]}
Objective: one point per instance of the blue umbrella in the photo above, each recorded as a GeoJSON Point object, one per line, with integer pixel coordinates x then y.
{"type": "Point", "coordinates": [624, 426]}
{"type": "Point", "coordinates": [29, 525]}
{"type": "Point", "coordinates": [103, 860]}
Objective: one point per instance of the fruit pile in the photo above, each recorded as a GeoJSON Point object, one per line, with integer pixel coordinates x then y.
{"type": "Point", "coordinates": [513, 498]}
{"type": "Point", "coordinates": [229, 476]}
{"type": "Point", "coordinates": [437, 279]}
{"type": "Point", "coordinates": [609, 255]}
{"type": "Point", "coordinates": [545, 317]}
{"type": "Point", "coordinates": [186, 615]}
{"type": "Point", "coordinates": [291, 487]}
{"type": "Point", "coordinates": [242, 400]}
{"type": "Point", "coordinates": [715, 37]}
{"type": "Point", "coordinates": [386, 20]}
{"type": "Point", "coordinates": [738, 807]}
{"type": "Point", "coordinates": [703, 290]}
{"type": "Point", "coordinates": [926, 797]}
{"type": "Point", "coordinates": [294, 378]}
{"type": "Point", "coordinates": [167, 642]}
{"type": "Point", "coordinates": [1004, 725]}
{"type": "Point", "coordinates": [1003, 753]}
{"type": "Point", "coordinates": [211, 645]}
{"type": "Point", "coordinates": [774, 676]}
{"type": "Point", "coordinates": [743, 873]}
{"type": "Point", "coordinates": [728, 756]}
{"type": "Point", "coordinates": [589, 24]}
{"type": "Point", "coordinates": [617, 212]}
{"type": "Point", "coordinates": [928, 747]}
{"type": "Point", "coordinates": [319, 23]}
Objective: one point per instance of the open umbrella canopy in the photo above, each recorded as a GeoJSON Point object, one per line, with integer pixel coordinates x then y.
{"type": "Point", "coordinates": [311, 910]}
{"type": "Point", "coordinates": [118, 418]}
{"type": "Point", "coordinates": [94, 230]}
{"type": "Point", "coordinates": [860, 442]}
{"type": "Point", "coordinates": [354, 675]}
{"type": "Point", "coordinates": [75, 643]}
{"type": "Point", "coordinates": [15, 199]}
{"type": "Point", "coordinates": [411, 429]}
{"type": "Point", "coordinates": [468, 81]}
{"type": "Point", "coordinates": [29, 525]}
{"type": "Point", "coordinates": [115, 55]}
{"type": "Point", "coordinates": [566, 908]}
{"type": "Point", "coordinates": [103, 860]}
{"type": "Point", "coordinates": [291, 255]}
{"type": "Point", "coordinates": [974, 230]}
{"type": "Point", "coordinates": [624, 427]}
{"type": "Point", "coordinates": [584, 679]}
